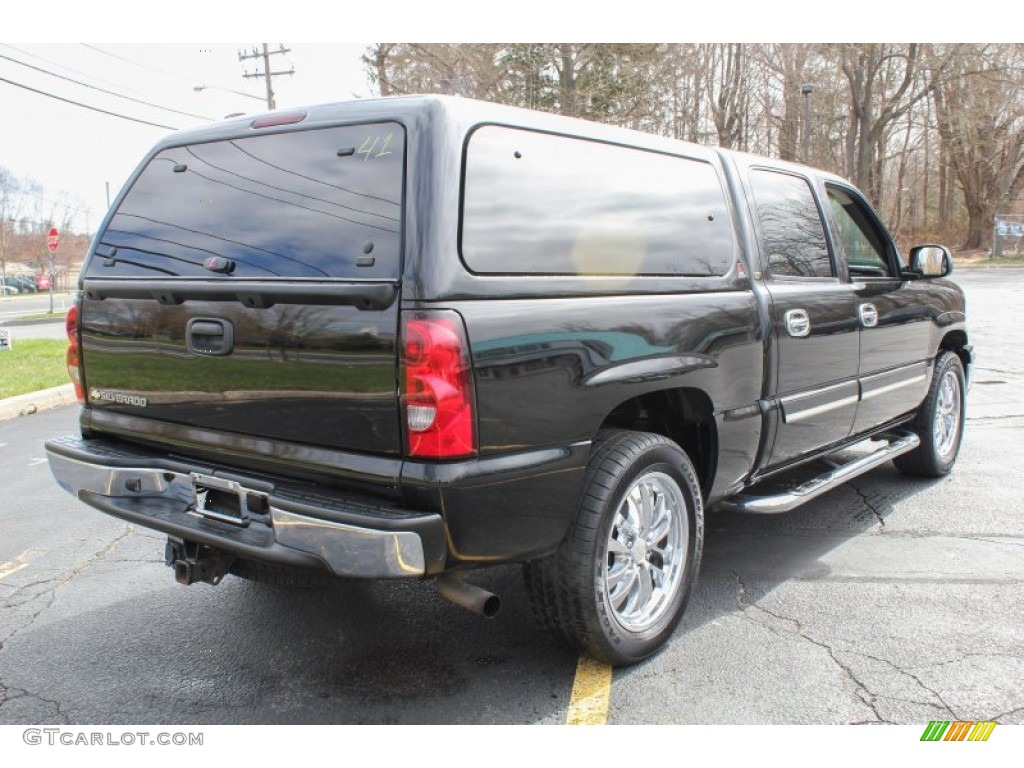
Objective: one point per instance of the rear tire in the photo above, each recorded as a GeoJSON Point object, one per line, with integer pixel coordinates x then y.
{"type": "Point", "coordinates": [618, 584]}
{"type": "Point", "coordinates": [939, 422]}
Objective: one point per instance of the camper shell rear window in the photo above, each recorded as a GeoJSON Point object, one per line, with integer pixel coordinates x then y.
{"type": "Point", "coordinates": [320, 203]}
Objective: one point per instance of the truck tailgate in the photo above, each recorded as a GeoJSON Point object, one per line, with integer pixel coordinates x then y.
{"type": "Point", "coordinates": [249, 285]}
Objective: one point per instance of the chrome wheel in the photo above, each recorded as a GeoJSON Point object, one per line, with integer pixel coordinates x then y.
{"type": "Point", "coordinates": [946, 425]}
{"type": "Point", "coordinates": [645, 557]}
{"type": "Point", "coordinates": [618, 585]}
{"type": "Point", "coordinates": [939, 422]}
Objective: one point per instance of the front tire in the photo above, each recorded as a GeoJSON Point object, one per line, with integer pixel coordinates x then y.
{"type": "Point", "coordinates": [939, 423]}
{"type": "Point", "coordinates": [617, 586]}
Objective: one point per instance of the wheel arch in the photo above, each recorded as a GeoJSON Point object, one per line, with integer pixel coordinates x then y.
{"type": "Point", "coordinates": [684, 415]}
{"type": "Point", "coordinates": [956, 342]}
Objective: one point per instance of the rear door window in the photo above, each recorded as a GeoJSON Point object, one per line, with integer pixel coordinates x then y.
{"type": "Point", "coordinates": [322, 203]}
{"type": "Point", "coordinates": [792, 233]}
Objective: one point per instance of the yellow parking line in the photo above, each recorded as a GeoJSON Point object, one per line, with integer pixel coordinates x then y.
{"type": "Point", "coordinates": [591, 691]}
{"type": "Point", "coordinates": [21, 561]}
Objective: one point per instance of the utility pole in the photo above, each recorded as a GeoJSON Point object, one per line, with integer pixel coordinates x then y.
{"type": "Point", "coordinates": [267, 74]}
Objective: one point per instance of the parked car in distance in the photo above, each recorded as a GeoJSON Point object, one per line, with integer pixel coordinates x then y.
{"type": "Point", "coordinates": [28, 284]}
{"type": "Point", "coordinates": [24, 283]}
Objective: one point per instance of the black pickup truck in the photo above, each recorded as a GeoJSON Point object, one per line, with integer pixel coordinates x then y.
{"type": "Point", "coordinates": [409, 337]}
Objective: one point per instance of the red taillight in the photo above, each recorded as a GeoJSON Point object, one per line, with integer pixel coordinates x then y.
{"type": "Point", "coordinates": [72, 359]}
{"type": "Point", "coordinates": [437, 392]}
{"type": "Point", "coordinates": [71, 325]}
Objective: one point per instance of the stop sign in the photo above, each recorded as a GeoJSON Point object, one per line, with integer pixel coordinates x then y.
{"type": "Point", "coordinates": [52, 239]}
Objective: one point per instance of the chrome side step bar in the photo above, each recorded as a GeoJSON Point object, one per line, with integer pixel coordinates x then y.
{"type": "Point", "coordinates": [793, 498]}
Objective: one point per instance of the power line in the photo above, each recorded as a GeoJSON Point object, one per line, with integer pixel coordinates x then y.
{"type": "Point", "coordinates": [103, 90]}
{"type": "Point", "coordinates": [72, 211]}
{"type": "Point", "coordinates": [72, 69]}
{"type": "Point", "coordinates": [185, 78]}
{"type": "Point", "coordinates": [136, 63]}
{"type": "Point", "coordinates": [66, 205]}
{"type": "Point", "coordinates": [86, 106]}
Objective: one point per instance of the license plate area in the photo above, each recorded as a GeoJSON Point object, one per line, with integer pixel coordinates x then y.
{"type": "Point", "coordinates": [227, 501]}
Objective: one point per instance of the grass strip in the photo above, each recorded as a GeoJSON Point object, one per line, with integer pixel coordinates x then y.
{"type": "Point", "coordinates": [31, 365]}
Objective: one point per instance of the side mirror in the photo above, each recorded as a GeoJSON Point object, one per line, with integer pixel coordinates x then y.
{"type": "Point", "coordinates": [931, 260]}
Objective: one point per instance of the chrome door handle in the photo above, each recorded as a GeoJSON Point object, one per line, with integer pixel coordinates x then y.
{"type": "Point", "coordinates": [868, 315]}
{"type": "Point", "coordinates": [797, 322]}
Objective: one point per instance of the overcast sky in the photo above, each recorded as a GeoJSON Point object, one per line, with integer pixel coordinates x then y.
{"type": "Point", "coordinates": [70, 148]}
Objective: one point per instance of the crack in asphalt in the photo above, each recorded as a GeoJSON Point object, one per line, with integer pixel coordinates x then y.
{"type": "Point", "coordinates": [965, 657]}
{"type": "Point", "coordinates": [5, 694]}
{"type": "Point", "coordinates": [913, 677]}
{"type": "Point", "coordinates": [3, 688]}
{"type": "Point", "coordinates": [868, 698]}
{"type": "Point", "coordinates": [96, 556]}
{"type": "Point", "coordinates": [996, 418]}
{"type": "Point", "coordinates": [52, 595]}
{"type": "Point", "coordinates": [21, 693]}
{"type": "Point", "coordinates": [868, 504]}
{"type": "Point", "coordinates": [56, 705]}
{"type": "Point", "coordinates": [1007, 714]}
{"type": "Point", "coordinates": [989, 540]}
{"type": "Point", "coordinates": [864, 693]}
{"type": "Point", "coordinates": [15, 599]}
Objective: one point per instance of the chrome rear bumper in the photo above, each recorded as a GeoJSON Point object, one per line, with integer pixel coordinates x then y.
{"type": "Point", "coordinates": [258, 520]}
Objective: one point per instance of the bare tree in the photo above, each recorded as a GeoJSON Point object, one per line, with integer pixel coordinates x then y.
{"type": "Point", "coordinates": [884, 81]}
{"type": "Point", "coordinates": [922, 129]}
{"type": "Point", "coordinates": [464, 69]}
{"type": "Point", "coordinates": [786, 65]}
{"type": "Point", "coordinates": [728, 89]}
{"type": "Point", "coordinates": [376, 59]}
{"type": "Point", "coordinates": [687, 85]}
{"type": "Point", "coordinates": [11, 203]}
{"type": "Point", "coordinates": [980, 116]}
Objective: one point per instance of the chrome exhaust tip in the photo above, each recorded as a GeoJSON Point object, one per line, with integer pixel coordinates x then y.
{"type": "Point", "coordinates": [469, 596]}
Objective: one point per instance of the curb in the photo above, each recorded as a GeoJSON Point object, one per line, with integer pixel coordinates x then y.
{"type": "Point", "coordinates": [985, 265]}
{"type": "Point", "coordinates": [44, 399]}
{"type": "Point", "coordinates": [17, 322]}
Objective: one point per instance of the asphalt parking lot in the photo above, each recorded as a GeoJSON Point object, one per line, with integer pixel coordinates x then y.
{"type": "Point", "coordinates": [888, 600]}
